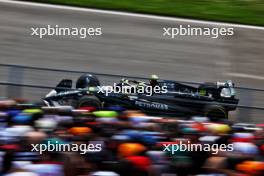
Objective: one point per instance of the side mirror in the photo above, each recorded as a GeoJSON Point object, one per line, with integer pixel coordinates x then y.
{"type": "Point", "coordinates": [64, 85]}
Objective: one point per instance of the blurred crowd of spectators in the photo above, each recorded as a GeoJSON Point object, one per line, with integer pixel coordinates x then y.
{"type": "Point", "coordinates": [132, 143]}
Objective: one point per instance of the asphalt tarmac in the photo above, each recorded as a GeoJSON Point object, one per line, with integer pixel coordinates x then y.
{"type": "Point", "coordinates": [129, 45]}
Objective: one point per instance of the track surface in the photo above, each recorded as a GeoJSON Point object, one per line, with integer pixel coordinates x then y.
{"type": "Point", "coordinates": [131, 46]}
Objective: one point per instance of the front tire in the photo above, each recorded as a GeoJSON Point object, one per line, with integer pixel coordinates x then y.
{"type": "Point", "coordinates": [91, 101]}
{"type": "Point", "coordinates": [216, 111]}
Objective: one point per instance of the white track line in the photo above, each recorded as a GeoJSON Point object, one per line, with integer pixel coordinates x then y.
{"type": "Point", "coordinates": [243, 75]}
{"type": "Point", "coordinates": [156, 17]}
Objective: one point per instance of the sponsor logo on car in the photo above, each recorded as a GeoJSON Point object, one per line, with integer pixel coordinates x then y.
{"type": "Point", "coordinates": [151, 105]}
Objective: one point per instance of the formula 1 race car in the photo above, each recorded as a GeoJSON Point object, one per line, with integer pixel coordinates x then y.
{"type": "Point", "coordinates": [207, 99]}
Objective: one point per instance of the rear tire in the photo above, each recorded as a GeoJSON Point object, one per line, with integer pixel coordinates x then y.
{"type": "Point", "coordinates": [91, 101]}
{"type": "Point", "coordinates": [216, 112]}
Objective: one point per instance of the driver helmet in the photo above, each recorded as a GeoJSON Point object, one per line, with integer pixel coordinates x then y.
{"type": "Point", "coordinates": [87, 80]}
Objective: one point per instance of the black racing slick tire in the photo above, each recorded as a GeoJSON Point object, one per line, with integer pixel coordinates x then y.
{"type": "Point", "coordinates": [216, 111]}
{"type": "Point", "coordinates": [91, 101]}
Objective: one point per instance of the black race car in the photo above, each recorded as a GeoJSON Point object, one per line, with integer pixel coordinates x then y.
{"type": "Point", "coordinates": [207, 99]}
